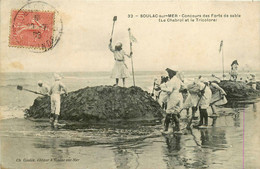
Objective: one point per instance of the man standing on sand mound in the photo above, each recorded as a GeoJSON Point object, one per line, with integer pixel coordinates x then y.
{"type": "Point", "coordinates": [43, 88]}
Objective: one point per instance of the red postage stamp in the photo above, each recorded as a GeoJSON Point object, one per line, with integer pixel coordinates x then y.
{"type": "Point", "coordinates": [31, 29]}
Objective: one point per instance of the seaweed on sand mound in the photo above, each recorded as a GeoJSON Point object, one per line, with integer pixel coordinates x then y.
{"type": "Point", "coordinates": [101, 103]}
{"type": "Point", "coordinates": [238, 90]}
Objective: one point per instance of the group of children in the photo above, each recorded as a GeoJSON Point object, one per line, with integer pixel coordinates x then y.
{"type": "Point", "coordinates": [120, 70]}
{"type": "Point", "coordinates": [174, 96]}
{"type": "Point", "coordinates": [250, 78]}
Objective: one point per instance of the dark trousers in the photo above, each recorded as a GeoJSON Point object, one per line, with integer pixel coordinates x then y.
{"type": "Point", "coordinates": [175, 119]}
{"type": "Point", "coordinates": [203, 116]}
{"type": "Point", "coordinates": [194, 109]}
{"type": "Point", "coordinates": [164, 105]}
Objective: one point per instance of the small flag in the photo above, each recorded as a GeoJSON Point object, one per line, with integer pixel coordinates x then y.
{"type": "Point", "coordinates": [132, 38]}
{"type": "Point", "coordinates": [221, 44]}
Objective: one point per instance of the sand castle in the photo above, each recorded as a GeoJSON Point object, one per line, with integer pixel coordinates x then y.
{"type": "Point", "coordinates": [101, 103]}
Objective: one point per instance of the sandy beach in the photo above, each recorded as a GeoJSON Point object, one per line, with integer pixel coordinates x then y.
{"type": "Point", "coordinates": [229, 143]}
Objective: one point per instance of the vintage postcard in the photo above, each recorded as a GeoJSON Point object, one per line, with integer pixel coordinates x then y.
{"type": "Point", "coordinates": [129, 84]}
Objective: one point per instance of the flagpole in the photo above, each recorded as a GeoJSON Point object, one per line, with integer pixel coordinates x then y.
{"type": "Point", "coordinates": [132, 63]}
{"type": "Point", "coordinates": [223, 61]}
{"type": "Point", "coordinates": [133, 67]}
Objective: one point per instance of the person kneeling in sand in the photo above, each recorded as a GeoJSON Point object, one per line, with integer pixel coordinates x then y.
{"type": "Point", "coordinates": [55, 92]}
{"type": "Point", "coordinates": [120, 70]}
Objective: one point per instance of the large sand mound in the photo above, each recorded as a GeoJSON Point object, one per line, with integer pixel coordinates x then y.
{"type": "Point", "coordinates": [101, 103]}
{"type": "Point", "coordinates": [239, 90]}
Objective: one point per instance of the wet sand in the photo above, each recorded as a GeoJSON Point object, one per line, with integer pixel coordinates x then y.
{"type": "Point", "coordinates": [31, 144]}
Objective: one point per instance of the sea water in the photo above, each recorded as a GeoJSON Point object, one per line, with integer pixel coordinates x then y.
{"type": "Point", "coordinates": [233, 142]}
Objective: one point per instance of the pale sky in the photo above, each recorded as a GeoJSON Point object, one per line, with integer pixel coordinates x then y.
{"type": "Point", "coordinates": [87, 27]}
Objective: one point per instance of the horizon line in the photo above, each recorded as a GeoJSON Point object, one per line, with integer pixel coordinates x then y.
{"type": "Point", "coordinates": [79, 71]}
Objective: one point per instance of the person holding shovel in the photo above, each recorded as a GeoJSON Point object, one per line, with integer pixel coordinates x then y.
{"type": "Point", "coordinates": [43, 88]}
{"type": "Point", "coordinates": [55, 92]}
{"type": "Point", "coordinates": [175, 99]}
{"type": "Point", "coordinates": [120, 70]}
{"type": "Point", "coordinates": [218, 96]}
{"type": "Point", "coordinates": [200, 97]}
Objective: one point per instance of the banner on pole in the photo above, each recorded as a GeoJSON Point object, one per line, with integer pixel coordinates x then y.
{"type": "Point", "coordinates": [132, 38]}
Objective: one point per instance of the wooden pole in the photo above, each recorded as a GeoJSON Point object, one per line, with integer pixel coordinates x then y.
{"type": "Point", "coordinates": [133, 72]}
{"type": "Point", "coordinates": [132, 63]}
{"type": "Point", "coordinates": [223, 61]}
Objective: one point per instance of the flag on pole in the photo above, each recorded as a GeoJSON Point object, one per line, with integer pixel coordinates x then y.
{"type": "Point", "coordinates": [221, 44]}
{"type": "Point", "coordinates": [132, 38]}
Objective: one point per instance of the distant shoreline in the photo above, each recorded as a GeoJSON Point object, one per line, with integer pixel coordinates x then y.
{"type": "Point", "coordinates": [141, 71]}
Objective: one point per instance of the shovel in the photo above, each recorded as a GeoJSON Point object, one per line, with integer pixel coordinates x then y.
{"type": "Point", "coordinates": [114, 20]}
{"type": "Point", "coordinates": [21, 88]}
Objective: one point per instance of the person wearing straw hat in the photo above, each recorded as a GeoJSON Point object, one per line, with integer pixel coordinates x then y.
{"type": "Point", "coordinates": [43, 88]}
{"type": "Point", "coordinates": [175, 99]}
{"type": "Point", "coordinates": [55, 91]}
{"type": "Point", "coordinates": [120, 70]}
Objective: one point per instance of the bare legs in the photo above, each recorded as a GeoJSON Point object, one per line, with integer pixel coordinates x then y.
{"type": "Point", "coordinates": [117, 80]}
{"type": "Point", "coordinates": [124, 82]}
{"type": "Point", "coordinates": [54, 119]}
{"type": "Point", "coordinates": [213, 109]}
{"type": "Point", "coordinates": [203, 116]}
{"type": "Point", "coordinates": [164, 106]}
{"type": "Point", "coordinates": [52, 116]}
{"type": "Point", "coordinates": [174, 118]}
